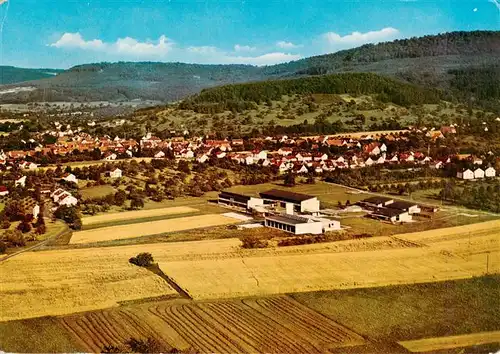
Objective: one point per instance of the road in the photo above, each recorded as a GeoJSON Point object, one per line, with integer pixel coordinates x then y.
{"type": "Point", "coordinates": [34, 247]}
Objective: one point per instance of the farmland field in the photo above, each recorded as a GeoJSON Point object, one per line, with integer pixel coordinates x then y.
{"type": "Point", "coordinates": [276, 324]}
{"type": "Point", "coordinates": [149, 228]}
{"type": "Point", "coordinates": [254, 274]}
{"type": "Point", "coordinates": [97, 192]}
{"type": "Point", "coordinates": [58, 282]}
{"type": "Point", "coordinates": [66, 281]}
{"type": "Point", "coordinates": [413, 311]}
{"type": "Point", "coordinates": [139, 214]}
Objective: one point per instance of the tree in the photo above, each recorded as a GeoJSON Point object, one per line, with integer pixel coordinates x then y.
{"type": "Point", "coordinates": [24, 226]}
{"type": "Point", "coordinates": [143, 259]}
{"type": "Point", "coordinates": [70, 215]}
{"type": "Point", "coordinates": [289, 180]}
{"type": "Point", "coordinates": [137, 203]}
{"type": "Point", "coordinates": [120, 197]}
{"type": "Point", "coordinates": [3, 247]}
{"type": "Point", "coordinates": [183, 166]}
{"type": "Point", "coordinates": [14, 237]}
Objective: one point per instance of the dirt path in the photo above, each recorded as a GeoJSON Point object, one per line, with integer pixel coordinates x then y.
{"type": "Point", "coordinates": [34, 247]}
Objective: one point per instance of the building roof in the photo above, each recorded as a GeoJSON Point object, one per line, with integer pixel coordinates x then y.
{"type": "Point", "coordinates": [237, 197]}
{"type": "Point", "coordinates": [279, 194]}
{"type": "Point", "coordinates": [288, 219]}
{"type": "Point", "coordinates": [377, 200]}
{"type": "Point", "coordinates": [401, 205]}
{"type": "Point", "coordinates": [388, 212]}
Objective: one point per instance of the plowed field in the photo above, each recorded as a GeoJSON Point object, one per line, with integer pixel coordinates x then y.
{"type": "Point", "coordinates": [275, 324]}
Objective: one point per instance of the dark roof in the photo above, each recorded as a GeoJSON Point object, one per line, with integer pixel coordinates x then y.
{"type": "Point", "coordinates": [279, 194]}
{"type": "Point", "coordinates": [377, 200]}
{"type": "Point", "coordinates": [401, 205]}
{"type": "Point", "coordinates": [288, 219]}
{"type": "Point", "coordinates": [388, 212]}
{"type": "Point", "coordinates": [235, 196]}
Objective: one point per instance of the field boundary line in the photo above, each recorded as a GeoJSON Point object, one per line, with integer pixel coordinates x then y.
{"type": "Point", "coordinates": [450, 342]}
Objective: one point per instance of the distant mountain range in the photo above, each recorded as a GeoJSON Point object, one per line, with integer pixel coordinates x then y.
{"type": "Point", "coordinates": [448, 61]}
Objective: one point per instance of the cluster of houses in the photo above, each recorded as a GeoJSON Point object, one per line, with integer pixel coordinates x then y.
{"type": "Point", "coordinates": [477, 173]}
{"type": "Point", "coordinates": [365, 150]}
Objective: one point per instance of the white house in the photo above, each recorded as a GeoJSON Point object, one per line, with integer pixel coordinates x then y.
{"type": "Point", "coordinates": [62, 197]}
{"type": "Point", "coordinates": [110, 157]}
{"type": "Point", "coordinates": [490, 172]}
{"type": "Point", "coordinates": [68, 200]}
{"type": "Point", "coordinates": [478, 173]}
{"type": "Point", "coordinates": [20, 181]}
{"type": "Point", "coordinates": [69, 177]}
{"type": "Point", "coordinates": [466, 174]}
{"type": "Point", "coordinates": [116, 173]}
{"type": "Point", "coordinates": [203, 158]}
{"type": "Point", "coordinates": [36, 211]}
{"type": "Point", "coordinates": [28, 165]}
{"type": "Point", "coordinates": [159, 155]}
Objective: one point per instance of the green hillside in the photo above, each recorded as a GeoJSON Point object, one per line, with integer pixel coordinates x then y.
{"type": "Point", "coordinates": [240, 96]}
{"type": "Point", "coordinates": [442, 61]}
{"type": "Point", "coordinates": [11, 75]}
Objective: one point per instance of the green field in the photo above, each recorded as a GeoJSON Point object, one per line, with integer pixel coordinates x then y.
{"type": "Point", "coordinates": [97, 191]}
{"type": "Point", "coordinates": [408, 312]}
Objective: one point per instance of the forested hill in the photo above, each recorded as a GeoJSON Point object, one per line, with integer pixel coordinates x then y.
{"type": "Point", "coordinates": [242, 96]}
{"type": "Point", "coordinates": [443, 61]}
{"type": "Point", "coordinates": [484, 43]}
{"type": "Point", "coordinates": [11, 75]}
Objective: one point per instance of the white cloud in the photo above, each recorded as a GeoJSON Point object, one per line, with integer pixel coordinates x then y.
{"type": "Point", "coordinates": [358, 38]}
{"type": "Point", "coordinates": [123, 46]}
{"type": "Point", "coordinates": [165, 49]}
{"type": "Point", "coordinates": [75, 40]}
{"type": "Point", "coordinates": [131, 46]}
{"type": "Point", "coordinates": [244, 48]}
{"type": "Point", "coordinates": [475, 9]}
{"type": "Point", "coordinates": [286, 45]}
{"type": "Point", "coordinates": [264, 59]}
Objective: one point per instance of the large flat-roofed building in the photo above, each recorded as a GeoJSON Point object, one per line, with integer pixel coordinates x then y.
{"type": "Point", "coordinates": [392, 215]}
{"type": "Point", "coordinates": [411, 208]}
{"type": "Point", "coordinates": [240, 201]}
{"type": "Point", "coordinates": [294, 224]}
{"type": "Point", "coordinates": [376, 202]}
{"type": "Point", "coordinates": [301, 202]}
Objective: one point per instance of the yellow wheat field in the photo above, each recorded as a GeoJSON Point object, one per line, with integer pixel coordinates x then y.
{"type": "Point", "coordinates": [139, 214]}
{"type": "Point", "coordinates": [249, 275]}
{"type": "Point", "coordinates": [59, 282]}
{"type": "Point", "coordinates": [441, 343]}
{"type": "Point", "coordinates": [149, 228]}
{"type": "Point", "coordinates": [72, 280]}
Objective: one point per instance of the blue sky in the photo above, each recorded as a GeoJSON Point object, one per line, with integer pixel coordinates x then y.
{"type": "Point", "coordinates": [60, 34]}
